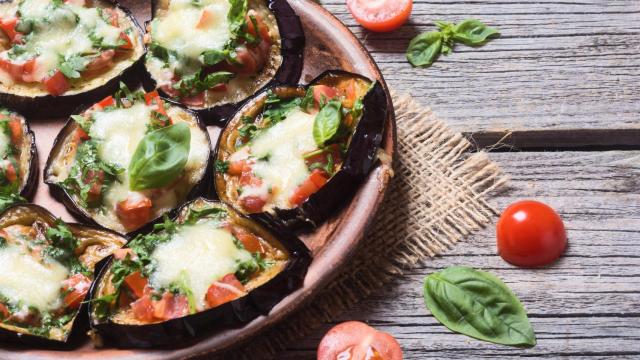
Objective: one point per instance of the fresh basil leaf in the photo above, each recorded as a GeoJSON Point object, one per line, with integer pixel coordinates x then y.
{"type": "Point", "coordinates": [213, 57]}
{"type": "Point", "coordinates": [72, 65]}
{"type": "Point", "coordinates": [473, 32]}
{"type": "Point", "coordinates": [424, 49]}
{"type": "Point", "coordinates": [478, 304]}
{"type": "Point", "coordinates": [236, 15]}
{"type": "Point", "coordinates": [327, 122]}
{"type": "Point", "coordinates": [160, 157]}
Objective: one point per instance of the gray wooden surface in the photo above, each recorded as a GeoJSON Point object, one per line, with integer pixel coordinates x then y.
{"type": "Point", "coordinates": [565, 75]}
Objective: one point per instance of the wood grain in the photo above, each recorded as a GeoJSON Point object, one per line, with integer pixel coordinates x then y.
{"type": "Point", "coordinates": [560, 64]}
{"type": "Point", "coordinates": [586, 305]}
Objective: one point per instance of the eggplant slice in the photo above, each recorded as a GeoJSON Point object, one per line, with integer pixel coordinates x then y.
{"type": "Point", "coordinates": [42, 81]}
{"type": "Point", "coordinates": [207, 269]}
{"type": "Point", "coordinates": [19, 162]}
{"type": "Point", "coordinates": [129, 159]}
{"type": "Point", "coordinates": [282, 159]}
{"type": "Point", "coordinates": [225, 61]}
{"type": "Point", "coordinates": [46, 268]}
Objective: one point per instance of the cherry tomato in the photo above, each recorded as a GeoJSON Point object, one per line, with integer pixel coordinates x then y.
{"type": "Point", "coordinates": [353, 340]}
{"type": "Point", "coordinates": [530, 234]}
{"type": "Point", "coordinates": [380, 15]}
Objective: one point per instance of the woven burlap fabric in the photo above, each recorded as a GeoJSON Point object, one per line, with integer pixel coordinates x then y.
{"type": "Point", "coordinates": [437, 197]}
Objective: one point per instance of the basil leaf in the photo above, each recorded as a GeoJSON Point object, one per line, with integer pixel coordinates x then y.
{"type": "Point", "coordinates": [72, 65]}
{"type": "Point", "coordinates": [327, 122]}
{"type": "Point", "coordinates": [478, 304]}
{"type": "Point", "coordinates": [160, 157]}
{"type": "Point", "coordinates": [473, 32]}
{"type": "Point", "coordinates": [213, 57]}
{"type": "Point", "coordinates": [424, 49]}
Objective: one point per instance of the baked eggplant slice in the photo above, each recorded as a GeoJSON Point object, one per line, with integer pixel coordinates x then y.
{"type": "Point", "coordinates": [129, 159]}
{"type": "Point", "coordinates": [57, 54]}
{"type": "Point", "coordinates": [207, 269]}
{"type": "Point", "coordinates": [46, 269]}
{"type": "Point", "coordinates": [19, 159]}
{"type": "Point", "coordinates": [211, 55]}
{"type": "Point", "coordinates": [297, 154]}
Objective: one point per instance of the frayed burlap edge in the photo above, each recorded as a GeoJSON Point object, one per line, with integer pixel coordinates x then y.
{"type": "Point", "coordinates": [437, 198]}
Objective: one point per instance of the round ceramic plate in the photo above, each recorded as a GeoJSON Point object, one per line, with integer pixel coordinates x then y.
{"type": "Point", "coordinates": [330, 45]}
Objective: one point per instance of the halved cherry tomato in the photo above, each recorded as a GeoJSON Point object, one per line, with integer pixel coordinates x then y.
{"type": "Point", "coordinates": [314, 182]}
{"type": "Point", "coordinates": [225, 290]}
{"type": "Point", "coordinates": [250, 242]}
{"type": "Point", "coordinates": [530, 234]}
{"type": "Point", "coordinates": [252, 204]}
{"type": "Point", "coordinates": [354, 340]}
{"type": "Point", "coordinates": [134, 211]}
{"type": "Point", "coordinates": [380, 15]}
{"type": "Point", "coordinates": [136, 283]}
{"type": "Point", "coordinates": [143, 308]}
{"type": "Point", "coordinates": [76, 287]}
{"type": "Point", "coordinates": [323, 93]}
{"type": "Point", "coordinates": [8, 25]}
{"type": "Point", "coordinates": [15, 126]}
{"type": "Point", "coordinates": [10, 172]}
{"type": "Point", "coordinates": [56, 84]}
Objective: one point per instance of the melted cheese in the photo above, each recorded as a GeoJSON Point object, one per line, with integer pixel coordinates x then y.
{"type": "Point", "coordinates": [200, 254]}
{"type": "Point", "coordinates": [284, 144]}
{"type": "Point", "coordinates": [5, 142]}
{"type": "Point", "coordinates": [177, 29]}
{"type": "Point", "coordinates": [24, 279]}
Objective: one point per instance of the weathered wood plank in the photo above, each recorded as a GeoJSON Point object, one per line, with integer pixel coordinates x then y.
{"type": "Point", "coordinates": [558, 65]}
{"type": "Point", "coordinates": [586, 305]}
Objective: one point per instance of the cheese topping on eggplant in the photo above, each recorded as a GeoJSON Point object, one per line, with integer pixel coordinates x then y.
{"type": "Point", "coordinates": [23, 279]}
{"type": "Point", "coordinates": [279, 157]}
{"type": "Point", "coordinates": [49, 37]}
{"type": "Point", "coordinates": [199, 255]}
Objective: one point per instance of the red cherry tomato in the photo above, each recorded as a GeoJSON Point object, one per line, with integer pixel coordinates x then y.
{"type": "Point", "coordinates": [353, 340]}
{"type": "Point", "coordinates": [380, 15]}
{"type": "Point", "coordinates": [530, 234]}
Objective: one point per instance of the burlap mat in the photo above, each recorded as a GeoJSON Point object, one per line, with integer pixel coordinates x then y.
{"type": "Point", "coordinates": [437, 198]}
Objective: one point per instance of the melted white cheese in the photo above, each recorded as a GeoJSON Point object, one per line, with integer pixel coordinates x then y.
{"type": "Point", "coordinates": [285, 144]}
{"type": "Point", "coordinates": [24, 279]}
{"type": "Point", "coordinates": [177, 29]}
{"type": "Point", "coordinates": [5, 142]}
{"type": "Point", "coordinates": [200, 254]}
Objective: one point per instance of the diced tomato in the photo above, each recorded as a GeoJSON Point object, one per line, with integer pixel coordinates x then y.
{"type": "Point", "coordinates": [15, 70]}
{"type": "Point", "coordinates": [219, 88]}
{"type": "Point", "coordinates": [194, 100]}
{"type": "Point", "coordinates": [143, 309]}
{"type": "Point", "coordinates": [225, 290]}
{"type": "Point", "coordinates": [236, 167]}
{"type": "Point", "coordinates": [322, 158]}
{"type": "Point", "coordinates": [134, 211]}
{"type": "Point", "coordinates": [104, 103]}
{"type": "Point", "coordinates": [248, 178]}
{"type": "Point", "coordinates": [28, 71]}
{"type": "Point", "coordinates": [314, 182]}
{"type": "Point", "coordinates": [247, 59]}
{"type": "Point", "coordinates": [81, 135]}
{"type": "Point", "coordinates": [8, 25]}
{"type": "Point", "coordinates": [56, 84]}
{"type": "Point", "coordinates": [262, 27]}
{"type": "Point", "coordinates": [4, 312]}
{"type": "Point", "coordinates": [153, 98]}
{"type": "Point", "coordinates": [96, 180]}
{"type": "Point", "coordinates": [136, 283]}
{"type": "Point", "coordinates": [128, 44]}
{"type": "Point", "coordinates": [252, 204]}
{"type": "Point", "coordinates": [349, 90]}
{"type": "Point", "coordinates": [170, 306]}
{"type": "Point", "coordinates": [76, 288]}
{"type": "Point", "coordinates": [15, 126]}
{"type": "Point", "coordinates": [323, 93]}
{"type": "Point", "coordinates": [10, 172]}
{"type": "Point", "coordinates": [121, 254]}
{"type": "Point", "coordinates": [170, 91]}
{"type": "Point", "coordinates": [101, 62]}
{"type": "Point", "coordinates": [250, 242]}
{"type": "Point", "coordinates": [206, 19]}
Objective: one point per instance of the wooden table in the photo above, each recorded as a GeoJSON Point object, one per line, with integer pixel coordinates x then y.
{"type": "Point", "coordinates": [564, 80]}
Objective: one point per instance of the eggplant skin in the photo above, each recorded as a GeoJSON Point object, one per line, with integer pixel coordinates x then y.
{"type": "Point", "coordinates": [182, 332]}
{"type": "Point", "coordinates": [48, 106]}
{"type": "Point", "coordinates": [59, 193]}
{"type": "Point", "coordinates": [291, 49]}
{"type": "Point", "coordinates": [360, 159]}
{"type": "Point", "coordinates": [26, 214]}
